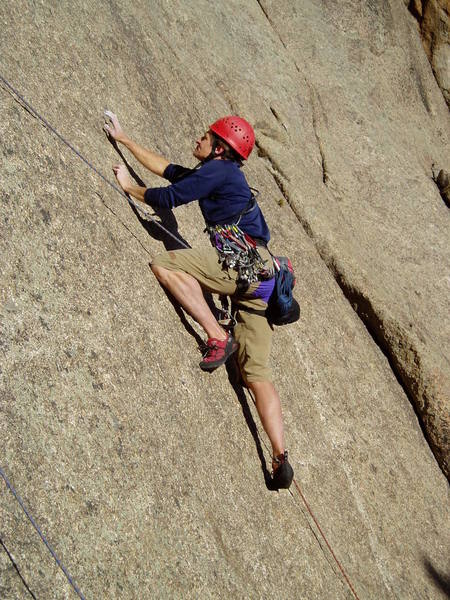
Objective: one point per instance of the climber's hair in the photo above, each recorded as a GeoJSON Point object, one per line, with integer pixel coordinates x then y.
{"type": "Point", "coordinates": [228, 152]}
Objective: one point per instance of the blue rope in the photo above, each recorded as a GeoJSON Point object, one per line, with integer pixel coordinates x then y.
{"type": "Point", "coordinates": [137, 205]}
{"type": "Point", "coordinates": [35, 525]}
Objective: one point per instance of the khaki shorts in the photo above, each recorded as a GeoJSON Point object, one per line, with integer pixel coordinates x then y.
{"type": "Point", "coordinates": [252, 332]}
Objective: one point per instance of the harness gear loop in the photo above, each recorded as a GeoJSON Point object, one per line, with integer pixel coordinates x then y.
{"type": "Point", "coordinates": [238, 251]}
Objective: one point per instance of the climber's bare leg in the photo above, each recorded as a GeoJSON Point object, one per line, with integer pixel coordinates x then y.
{"type": "Point", "coordinates": [268, 405]}
{"type": "Point", "coordinates": [188, 292]}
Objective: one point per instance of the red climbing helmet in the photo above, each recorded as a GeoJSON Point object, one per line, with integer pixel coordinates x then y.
{"type": "Point", "coordinates": [237, 132]}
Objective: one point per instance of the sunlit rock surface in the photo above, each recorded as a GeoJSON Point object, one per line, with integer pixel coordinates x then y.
{"type": "Point", "coordinates": [145, 473]}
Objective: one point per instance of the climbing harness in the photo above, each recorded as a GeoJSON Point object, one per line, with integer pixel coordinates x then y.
{"type": "Point", "coordinates": [238, 251]}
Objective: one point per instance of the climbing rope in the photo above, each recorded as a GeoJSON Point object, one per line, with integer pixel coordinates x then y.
{"type": "Point", "coordinates": [145, 215]}
{"type": "Point", "coordinates": [314, 518]}
{"type": "Point", "coordinates": [43, 538]}
{"type": "Point", "coordinates": [341, 568]}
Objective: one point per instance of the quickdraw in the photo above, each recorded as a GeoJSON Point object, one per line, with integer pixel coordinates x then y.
{"type": "Point", "coordinates": [238, 251]}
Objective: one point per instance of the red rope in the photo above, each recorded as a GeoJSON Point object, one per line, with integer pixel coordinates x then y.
{"type": "Point", "coordinates": [341, 568]}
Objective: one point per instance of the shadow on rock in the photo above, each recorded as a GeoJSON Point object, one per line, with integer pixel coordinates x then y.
{"type": "Point", "coordinates": [234, 377]}
{"type": "Point", "coordinates": [181, 315]}
{"type": "Point", "coordinates": [165, 217]}
{"type": "Point", "coordinates": [441, 581]}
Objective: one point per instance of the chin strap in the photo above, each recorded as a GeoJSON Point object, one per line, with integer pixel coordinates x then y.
{"type": "Point", "coordinates": [212, 154]}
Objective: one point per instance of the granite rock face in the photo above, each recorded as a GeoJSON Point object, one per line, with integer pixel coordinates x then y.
{"type": "Point", "coordinates": [372, 217]}
{"type": "Point", "coordinates": [433, 17]}
{"type": "Point", "coordinates": [146, 474]}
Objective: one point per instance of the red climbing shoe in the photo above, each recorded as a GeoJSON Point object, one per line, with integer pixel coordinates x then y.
{"type": "Point", "coordinates": [283, 473]}
{"type": "Point", "coordinates": [217, 352]}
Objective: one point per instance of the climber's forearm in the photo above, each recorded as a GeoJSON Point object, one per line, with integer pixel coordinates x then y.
{"type": "Point", "coordinates": [150, 160]}
{"type": "Point", "coordinates": [137, 191]}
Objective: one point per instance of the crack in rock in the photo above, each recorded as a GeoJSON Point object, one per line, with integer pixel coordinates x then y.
{"type": "Point", "coordinates": [325, 175]}
{"type": "Point", "coordinates": [280, 181]}
{"type": "Point", "coordinates": [316, 118]}
{"type": "Point", "coordinates": [409, 372]}
{"type": "Point", "coordinates": [413, 384]}
{"type": "Point", "coordinates": [274, 29]}
{"type": "Point", "coordinates": [16, 568]}
{"type": "Point", "coordinates": [442, 181]}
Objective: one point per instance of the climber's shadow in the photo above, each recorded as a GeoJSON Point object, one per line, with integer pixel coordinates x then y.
{"type": "Point", "coordinates": [165, 216]}
{"type": "Point", "coordinates": [441, 580]}
{"type": "Point", "coordinates": [168, 221]}
{"type": "Point", "coordinates": [234, 377]}
{"type": "Point", "coordinates": [184, 321]}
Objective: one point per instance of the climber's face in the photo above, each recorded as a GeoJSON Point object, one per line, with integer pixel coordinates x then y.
{"type": "Point", "coordinates": [203, 146]}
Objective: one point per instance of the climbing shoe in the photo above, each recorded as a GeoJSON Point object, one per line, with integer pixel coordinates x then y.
{"type": "Point", "coordinates": [283, 473]}
{"type": "Point", "coordinates": [217, 352]}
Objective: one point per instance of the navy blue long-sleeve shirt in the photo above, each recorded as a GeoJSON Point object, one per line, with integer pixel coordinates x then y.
{"type": "Point", "coordinates": [221, 189]}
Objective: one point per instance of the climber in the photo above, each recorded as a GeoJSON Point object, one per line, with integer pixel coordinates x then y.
{"type": "Point", "coordinates": [224, 198]}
